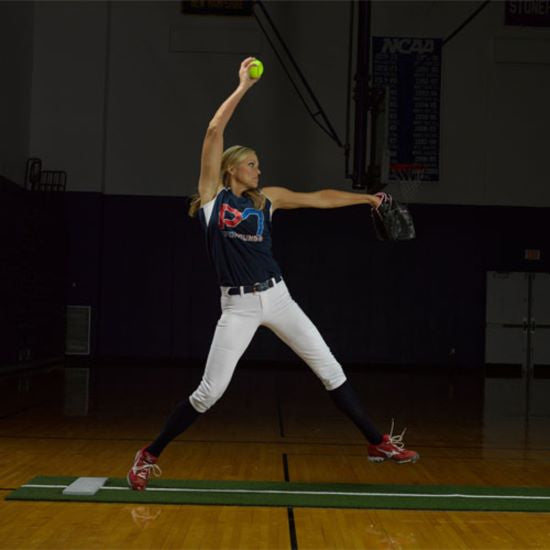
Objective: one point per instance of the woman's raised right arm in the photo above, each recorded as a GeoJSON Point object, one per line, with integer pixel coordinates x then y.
{"type": "Point", "coordinates": [212, 147]}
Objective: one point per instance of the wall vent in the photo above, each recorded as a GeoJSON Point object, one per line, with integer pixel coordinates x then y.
{"type": "Point", "coordinates": [77, 336]}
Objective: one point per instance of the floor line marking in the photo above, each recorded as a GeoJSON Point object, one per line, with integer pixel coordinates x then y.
{"type": "Point", "coordinates": [311, 493]}
{"type": "Point", "coordinates": [288, 440]}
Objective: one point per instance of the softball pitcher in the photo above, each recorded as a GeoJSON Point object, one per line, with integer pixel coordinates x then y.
{"type": "Point", "coordinates": [236, 217]}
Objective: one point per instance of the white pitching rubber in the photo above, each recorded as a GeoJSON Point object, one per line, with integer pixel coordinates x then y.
{"type": "Point", "coordinates": [85, 486]}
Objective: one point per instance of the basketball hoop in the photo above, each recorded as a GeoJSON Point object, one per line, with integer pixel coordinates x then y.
{"type": "Point", "coordinates": [409, 175]}
{"type": "Point", "coordinates": [410, 172]}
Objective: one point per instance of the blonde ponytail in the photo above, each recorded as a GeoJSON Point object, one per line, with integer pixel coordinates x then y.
{"type": "Point", "coordinates": [231, 156]}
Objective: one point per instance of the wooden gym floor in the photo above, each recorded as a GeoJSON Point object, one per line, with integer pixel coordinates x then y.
{"type": "Point", "coordinates": [273, 424]}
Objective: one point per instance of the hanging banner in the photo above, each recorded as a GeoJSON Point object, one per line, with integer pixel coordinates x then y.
{"type": "Point", "coordinates": [410, 71]}
{"type": "Point", "coordinates": [217, 7]}
{"type": "Point", "coordinates": [527, 13]}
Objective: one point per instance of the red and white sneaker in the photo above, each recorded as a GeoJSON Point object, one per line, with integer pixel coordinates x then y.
{"type": "Point", "coordinates": [144, 465]}
{"type": "Point", "coordinates": [392, 448]}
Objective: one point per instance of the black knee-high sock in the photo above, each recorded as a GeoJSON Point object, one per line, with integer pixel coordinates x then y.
{"type": "Point", "coordinates": [349, 403]}
{"type": "Point", "coordinates": [183, 416]}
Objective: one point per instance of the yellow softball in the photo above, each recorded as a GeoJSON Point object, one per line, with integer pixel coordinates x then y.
{"type": "Point", "coordinates": [256, 69]}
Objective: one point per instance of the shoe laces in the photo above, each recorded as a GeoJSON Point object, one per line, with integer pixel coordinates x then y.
{"type": "Point", "coordinates": [148, 468]}
{"type": "Point", "coordinates": [397, 440]}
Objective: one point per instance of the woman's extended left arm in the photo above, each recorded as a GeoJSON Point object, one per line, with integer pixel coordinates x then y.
{"type": "Point", "coordinates": [284, 198]}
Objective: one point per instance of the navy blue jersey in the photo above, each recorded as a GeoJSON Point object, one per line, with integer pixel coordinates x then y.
{"type": "Point", "coordinates": [239, 239]}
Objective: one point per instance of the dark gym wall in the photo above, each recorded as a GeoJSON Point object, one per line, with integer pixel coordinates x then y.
{"type": "Point", "coordinates": [421, 302]}
{"type": "Point", "coordinates": [33, 252]}
{"type": "Point", "coordinates": [120, 100]}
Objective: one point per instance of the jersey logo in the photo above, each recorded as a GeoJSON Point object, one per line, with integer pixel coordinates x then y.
{"type": "Point", "coordinates": [231, 217]}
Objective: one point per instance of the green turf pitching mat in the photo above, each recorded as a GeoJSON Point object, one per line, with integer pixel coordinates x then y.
{"type": "Point", "coordinates": [272, 493]}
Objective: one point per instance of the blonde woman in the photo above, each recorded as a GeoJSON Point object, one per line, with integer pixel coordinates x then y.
{"type": "Point", "coordinates": [236, 216]}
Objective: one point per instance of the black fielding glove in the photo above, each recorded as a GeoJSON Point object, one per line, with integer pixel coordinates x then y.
{"type": "Point", "coordinates": [392, 220]}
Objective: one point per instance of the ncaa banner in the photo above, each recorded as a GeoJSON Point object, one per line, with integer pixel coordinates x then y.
{"type": "Point", "coordinates": [409, 69]}
{"type": "Point", "coordinates": [528, 13]}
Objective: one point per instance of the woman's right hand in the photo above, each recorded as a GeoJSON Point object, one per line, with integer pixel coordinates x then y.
{"type": "Point", "coordinates": [246, 81]}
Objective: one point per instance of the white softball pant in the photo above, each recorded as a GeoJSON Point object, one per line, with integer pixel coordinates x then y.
{"type": "Point", "coordinates": [242, 314]}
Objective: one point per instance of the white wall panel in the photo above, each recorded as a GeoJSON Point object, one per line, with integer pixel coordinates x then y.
{"type": "Point", "coordinates": [68, 90]}
{"type": "Point", "coordinates": [161, 100]}
{"type": "Point", "coordinates": [16, 46]}
{"type": "Point", "coordinates": [162, 92]}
